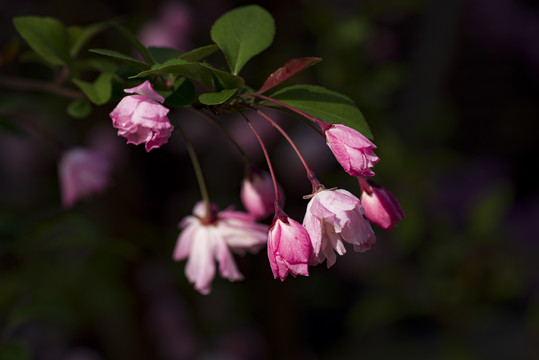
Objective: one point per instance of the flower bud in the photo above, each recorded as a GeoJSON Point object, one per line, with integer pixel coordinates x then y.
{"type": "Point", "coordinates": [380, 205]}
{"type": "Point", "coordinates": [258, 194]}
{"type": "Point", "coordinates": [289, 248]}
{"type": "Point", "coordinates": [83, 172]}
{"type": "Point", "coordinates": [351, 149]}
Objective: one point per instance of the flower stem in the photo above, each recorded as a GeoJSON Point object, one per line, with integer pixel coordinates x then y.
{"type": "Point", "coordinates": [310, 174]}
{"type": "Point", "coordinates": [22, 84]}
{"type": "Point", "coordinates": [199, 175]}
{"type": "Point", "coordinates": [291, 108]}
{"type": "Point", "coordinates": [227, 133]}
{"type": "Point", "coordinates": [278, 209]}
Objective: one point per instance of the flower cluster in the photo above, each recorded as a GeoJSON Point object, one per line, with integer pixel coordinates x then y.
{"type": "Point", "coordinates": [333, 218]}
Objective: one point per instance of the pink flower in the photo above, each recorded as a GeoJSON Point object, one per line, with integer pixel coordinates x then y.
{"type": "Point", "coordinates": [289, 248]}
{"type": "Point", "coordinates": [332, 218]}
{"type": "Point", "coordinates": [258, 194]}
{"type": "Point", "coordinates": [351, 149]}
{"type": "Point", "coordinates": [83, 172]}
{"type": "Point", "coordinates": [380, 205]}
{"type": "Point", "coordinates": [203, 240]}
{"type": "Point", "coordinates": [141, 118]}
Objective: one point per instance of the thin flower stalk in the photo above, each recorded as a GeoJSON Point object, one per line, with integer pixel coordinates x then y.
{"type": "Point", "coordinates": [310, 174]}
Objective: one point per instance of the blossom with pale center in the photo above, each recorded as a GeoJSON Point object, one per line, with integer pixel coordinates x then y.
{"type": "Point", "coordinates": [141, 118]}
{"type": "Point", "coordinates": [334, 217]}
{"type": "Point", "coordinates": [204, 240]}
{"type": "Point", "coordinates": [289, 248]}
{"type": "Point", "coordinates": [381, 207]}
{"type": "Point", "coordinates": [82, 172]}
{"type": "Point", "coordinates": [351, 149]}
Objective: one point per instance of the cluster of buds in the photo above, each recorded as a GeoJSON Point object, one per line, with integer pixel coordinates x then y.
{"type": "Point", "coordinates": [333, 216]}
{"type": "Point", "coordinates": [335, 219]}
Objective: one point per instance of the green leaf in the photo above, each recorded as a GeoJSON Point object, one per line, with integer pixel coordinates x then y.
{"type": "Point", "coordinates": [100, 91]}
{"type": "Point", "coordinates": [79, 109]}
{"type": "Point", "coordinates": [81, 35]}
{"type": "Point", "coordinates": [324, 104]}
{"type": "Point", "coordinates": [163, 54]}
{"type": "Point", "coordinates": [102, 64]}
{"type": "Point", "coordinates": [216, 98]}
{"type": "Point", "coordinates": [124, 58]}
{"type": "Point", "coordinates": [136, 43]}
{"type": "Point", "coordinates": [196, 71]}
{"type": "Point", "coordinates": [47, 36]}
{"type": "Point", "coordinates": [183, 93]}
{"type": "Point", "coordinates": [199, 53]}
{"type": "Point", "coordinates": [243, 33]}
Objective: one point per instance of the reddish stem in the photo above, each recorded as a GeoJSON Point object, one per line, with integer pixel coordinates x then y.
{"type": "Point", "coordinates": [312, 118]}
{"type": "Point", "coordinates": [278, 209]}
{"type": "Point", "coordinates": [310, 174]}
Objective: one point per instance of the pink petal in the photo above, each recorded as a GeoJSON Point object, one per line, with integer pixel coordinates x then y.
{"type": "Point", "coordinates": [146, 89]}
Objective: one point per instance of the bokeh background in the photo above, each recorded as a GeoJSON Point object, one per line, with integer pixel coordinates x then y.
{"type": "Point", "coordinates": [450, 90]}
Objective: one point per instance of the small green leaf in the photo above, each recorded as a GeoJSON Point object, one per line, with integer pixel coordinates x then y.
{"type": "Point", "coordinates": [81, 35]}
{"type": "Point", "coordinates": [79, 109]}
{"type": "Point", "coordinates": [183, 93]}
{"type": "Point", "coordinates": [100, 91]}
{"type": "Point", "coordinates": [124, 58]}
{"type": "Point", "coordinates": [196, 71]}
{"type": "Point", "coordinates": [47, 36]}
{"type": "Point", "coordinates": [243, 33]}
{"type": "Point", "coordinates": [163, 54]}
{"type": "Point", "coordinates": [325, 104]}
{"type": "Point", "coordinates": [199, 53]}
{"type": "Point", "coordinates": [216, 98]}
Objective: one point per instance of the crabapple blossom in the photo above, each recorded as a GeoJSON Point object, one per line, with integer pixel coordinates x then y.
{"type": "Point", "coordinates": [289, 247]}
{"type": "Point", "coordinates": [82, 172]}
{"type": "Point", "coordinates": [258, 194]}
{"type": "Point", "coordinates": [380, 205]}
{"type": "Point", "coordinates": [334, 217]}
{"type": "Point", "coordinates": [141, 118]}
{"type": "Point", "coordinates": [202, 241]}
{"type": "Point", "coordinates": [351, 149]}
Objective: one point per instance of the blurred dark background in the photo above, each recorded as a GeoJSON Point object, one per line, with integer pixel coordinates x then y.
{"type": "Point", "coordinates": [450, 89]}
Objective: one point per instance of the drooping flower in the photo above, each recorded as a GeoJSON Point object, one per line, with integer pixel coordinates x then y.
{"type": "Point", "coordinates": [334, 217]}
{"type": "Point", "coordinates": [203, 240]}
{"type": "Point", "coordinates": [258, 194]}
{"type": "Point", "coordinates": [381, 207]}
{"type": "Point", "coordinates": [141, 118]}
{"type": "Point", "coordinates": [351, 149]}
{"type": "Point", "coordinates": [289, 247]}
{"type": "Point", "coordinates": [82, 172]}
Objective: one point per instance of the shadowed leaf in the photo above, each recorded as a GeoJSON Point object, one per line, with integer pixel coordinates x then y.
{"type": "Point", "coordinates": [289, 69]}
{"type": "Point", "coordinates": [327, 105]}
{"type": "Point", "coordinates": [47, 36]}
